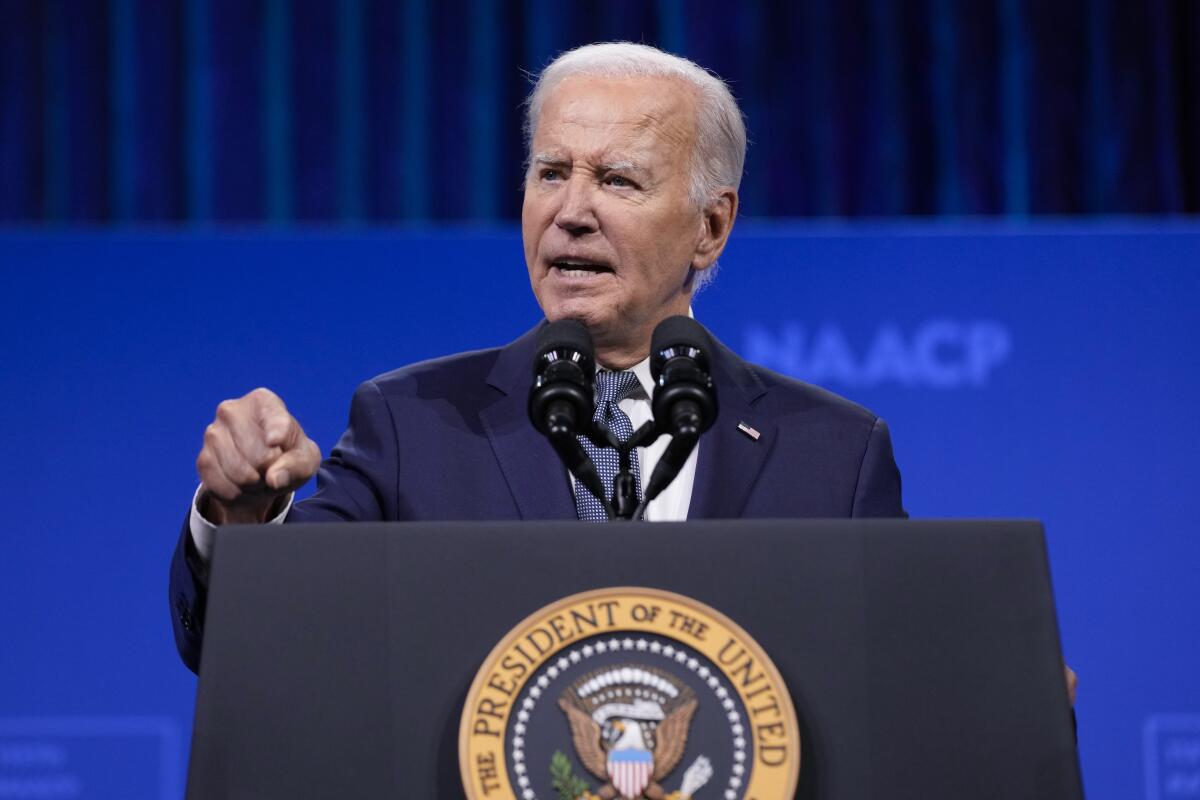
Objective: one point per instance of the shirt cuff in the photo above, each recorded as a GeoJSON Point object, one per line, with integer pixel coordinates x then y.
{"type": "Point", "coordinates": [204, 532]}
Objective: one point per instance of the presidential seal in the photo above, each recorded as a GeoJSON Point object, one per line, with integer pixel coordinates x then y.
{"type": "Point", "coordinates": [628, 693]}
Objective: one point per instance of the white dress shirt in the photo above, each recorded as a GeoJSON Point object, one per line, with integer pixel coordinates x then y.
{"type": "Point", "coordinates": [670, 506]}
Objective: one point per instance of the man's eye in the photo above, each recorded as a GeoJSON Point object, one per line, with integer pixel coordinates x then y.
{"type": "Point", "coordinates": [551, 174]}
{"type": "Point", "coordinates": [618, 180]}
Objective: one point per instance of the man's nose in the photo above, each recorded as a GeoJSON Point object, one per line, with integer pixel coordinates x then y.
{"type": "Point", "coordinates": [576, 215]}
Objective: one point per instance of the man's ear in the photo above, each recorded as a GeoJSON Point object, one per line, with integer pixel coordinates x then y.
{"type": "Point", "coordinates": [716, 223]}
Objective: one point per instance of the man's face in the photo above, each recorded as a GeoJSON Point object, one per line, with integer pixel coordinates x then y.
{"type": "Point", "coordinates": [609, 230]}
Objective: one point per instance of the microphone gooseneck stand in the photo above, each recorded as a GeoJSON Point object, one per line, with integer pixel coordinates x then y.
{"type": "Point", "coordinates": [624, 504]}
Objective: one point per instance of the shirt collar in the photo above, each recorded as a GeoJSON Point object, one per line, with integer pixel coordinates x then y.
{"type": "Point", "coordinates": [641, 370]}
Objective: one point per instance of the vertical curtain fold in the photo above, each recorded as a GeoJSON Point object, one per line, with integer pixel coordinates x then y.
{"type": "Point", "coordinates": [297, 111]}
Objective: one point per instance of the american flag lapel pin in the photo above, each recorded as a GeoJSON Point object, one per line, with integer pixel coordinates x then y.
{"type": "Point", "coordinates": [746, 429]}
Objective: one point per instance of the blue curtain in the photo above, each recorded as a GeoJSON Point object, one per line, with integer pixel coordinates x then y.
{"type": "Point", "coordinates": [316, 111]}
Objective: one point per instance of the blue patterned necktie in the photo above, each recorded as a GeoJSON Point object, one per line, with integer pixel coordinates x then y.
{"type": "Point", "coordinates": [611, 388]}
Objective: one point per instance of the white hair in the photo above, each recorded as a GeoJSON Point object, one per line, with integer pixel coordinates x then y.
{"type": "Point", "coordinates": [720, 152]}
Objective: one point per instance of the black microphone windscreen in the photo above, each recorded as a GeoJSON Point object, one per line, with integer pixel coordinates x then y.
{"type": "Point", "coordinates": [566, 334]}
{"type": "Point", "coordinates": [674, 333]}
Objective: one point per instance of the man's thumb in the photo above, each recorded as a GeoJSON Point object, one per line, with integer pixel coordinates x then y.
{"type": "Point", "coordinates": [293, 468]}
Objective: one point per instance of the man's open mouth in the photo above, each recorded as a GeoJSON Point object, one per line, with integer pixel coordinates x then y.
{"type": "Point", "coordinates": [578, 268]}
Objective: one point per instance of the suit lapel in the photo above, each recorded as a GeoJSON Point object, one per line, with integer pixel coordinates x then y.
{"type": "Point", "coordinates": [537, 479]}
{"type": "Point", "coordinates": [730, 460]}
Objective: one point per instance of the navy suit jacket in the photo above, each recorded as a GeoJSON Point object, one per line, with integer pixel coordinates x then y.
{"type": "Point", "coordinates": [450, 439]}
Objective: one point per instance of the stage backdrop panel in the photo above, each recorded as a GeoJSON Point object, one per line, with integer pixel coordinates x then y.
{"type": "Point", "coordinates": [1039, 371]}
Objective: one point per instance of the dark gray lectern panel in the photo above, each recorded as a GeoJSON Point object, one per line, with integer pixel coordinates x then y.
{"type": "Point", "coordinates": [922, 657]}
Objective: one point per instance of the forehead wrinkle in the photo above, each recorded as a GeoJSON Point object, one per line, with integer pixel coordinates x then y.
{"type": "Point", "coordinates": [670, 122]}
{"type": "Point", "coordinates": [670, 129]}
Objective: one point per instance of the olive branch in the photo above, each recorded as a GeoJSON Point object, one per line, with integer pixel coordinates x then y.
{"type": "Point", "coordinates": [563, 778]}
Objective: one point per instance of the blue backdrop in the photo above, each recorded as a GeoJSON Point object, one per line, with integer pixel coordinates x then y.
{"type": "Point", "coordinates": [1026, 370]}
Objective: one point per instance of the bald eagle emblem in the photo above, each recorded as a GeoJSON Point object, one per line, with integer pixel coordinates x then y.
{"type": "Point", "coordinates": [629, 724]}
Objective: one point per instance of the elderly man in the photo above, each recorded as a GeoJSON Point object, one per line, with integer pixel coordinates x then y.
{"type": "Point", "coordinates": [635, 157]}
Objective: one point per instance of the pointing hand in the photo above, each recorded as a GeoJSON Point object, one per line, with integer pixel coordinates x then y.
{"type": "Point", "coordinates": [254, 454]}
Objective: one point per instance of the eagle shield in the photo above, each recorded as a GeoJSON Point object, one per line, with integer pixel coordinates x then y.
{"type": "Point", "coordinates": [630, 770]}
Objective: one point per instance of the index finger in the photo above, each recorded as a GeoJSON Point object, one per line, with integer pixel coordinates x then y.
{"type": "Point", "coordinates": [274, 418]}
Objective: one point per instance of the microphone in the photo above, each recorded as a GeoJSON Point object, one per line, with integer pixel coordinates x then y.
{"type": "Point", "coordinates": [561, 402]}
{"type": "Point", "coordinates": [685, 400]}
